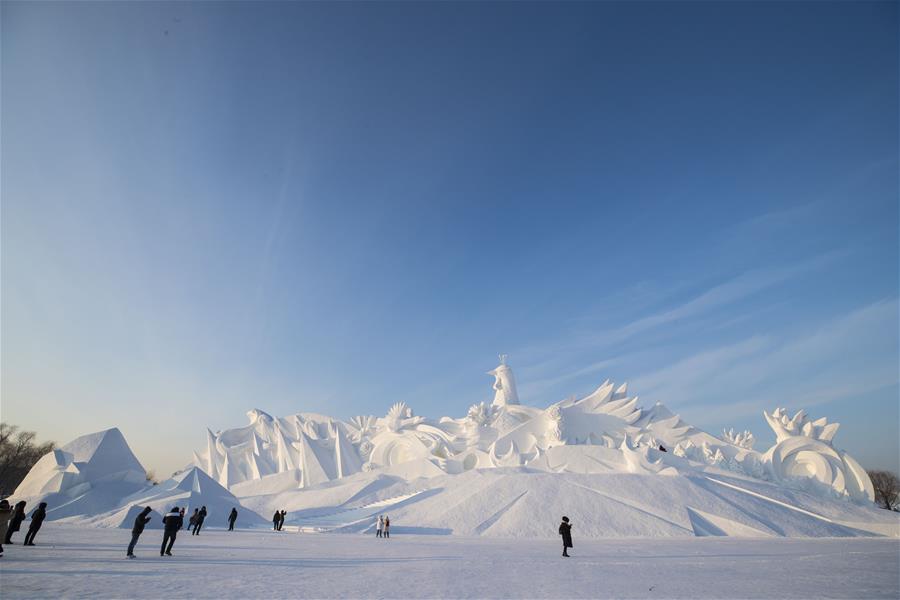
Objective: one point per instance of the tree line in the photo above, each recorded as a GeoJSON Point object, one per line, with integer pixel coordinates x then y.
{"type": "Point", "coordinates": [19, 451]}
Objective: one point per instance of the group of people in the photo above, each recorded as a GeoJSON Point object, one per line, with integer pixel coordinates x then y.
{"type": "Point", "coordinates": [196, 520]}
{"type": "Point", "coordinates": [173, 522]}
{"type": "Point", "coordinates": [11, 521]}
{"type": "Point", "coordinates": [383, 527]}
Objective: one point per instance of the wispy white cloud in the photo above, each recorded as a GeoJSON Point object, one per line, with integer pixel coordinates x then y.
{"type": "Point", "coordinates": [734, 290]}
{"type": "Point", "coordinates": [552, 355]}
{"type": "Point", "coordinates": [853, 352]}
{"type": "Point", "coordinates": [534, 388]}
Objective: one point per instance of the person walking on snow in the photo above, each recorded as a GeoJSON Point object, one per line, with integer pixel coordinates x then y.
{"type": "Point", "coordinates": [37, 519]}
{"type": "Point", "coordinates": [172, 522]}
{"type": "Point", "coordinates": [232, 517]}
{"type": "Point", "coordinates": [379, 526]}
{"type": "Point", "coordinates": [193, 518]}
{"type": "Point", "coordinates": [15, 522]}
{"type": "Point", "coordinates": [139, 521]}
{"type": "Point", "coordinates": [198, 522]}
{"type": "Point", "coordinates": [6, 513]}
{"type": "Point", "coordinates": [565, 530]}
{"type": "Point", "coordinates": [182, 516]}
{"type": "Point", "coordinates": [387, 527]}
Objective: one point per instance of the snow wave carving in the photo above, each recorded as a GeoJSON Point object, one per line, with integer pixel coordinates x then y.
{"type": "Point", "coordinates": [803, 454]}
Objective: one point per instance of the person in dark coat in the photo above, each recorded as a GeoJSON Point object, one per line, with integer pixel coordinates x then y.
{"type": "Point", "coordinates": [275, 519]}
{"type": "Point", "coordinates": [182, 516]}
{"type": "Point", "coordinates": [231, 519]}
{"type": "Point", "coordinates": [193, 518]}
{"type": "Point", "coordinates": [387, 527]}
{"type": "Point", "coordinates": [198, 522]}
{"type": "Point", "coordinates": [565, 530]}
{"type": "Point", "coordinates": [15, 523]}
{"type": "Point", "coordinates": [6, 513]}
{"type": "Point", "coordinates": [37, 519]}
{"type": "Point", "coordinates": [173, 522]}
{"type": "Point", "coordinates": [281, 519]}
{"type": "Point", "coordinates": [139, 521]}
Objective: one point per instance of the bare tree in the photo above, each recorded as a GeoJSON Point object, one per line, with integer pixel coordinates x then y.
{"type": "Point", "coordinates": [18, 453]}
{"type": "Point", "coordinates": [887, 488]}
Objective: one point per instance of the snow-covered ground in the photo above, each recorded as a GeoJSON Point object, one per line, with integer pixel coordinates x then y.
{"type": "Point", "coordinates": [71, 561]}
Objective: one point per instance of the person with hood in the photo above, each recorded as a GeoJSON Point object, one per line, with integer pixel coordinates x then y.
{"type": "Point", "coordinates": [387, 527]}
{"type": "Point", "coordinates": [198, 522]}
{"type": "Point", "coordinates": [15, 522]}
{"type": "Point", "coordinates": [275, 519]}
{"type": "Point", "coordinates": [281, 520]}
{"type": "Point", "coordinates": [172, 522]}
{"type": "Point", "coordinates": [142, 519]}
{"type": "Point", "coordinates": [231, 519]}
{"type": "Point", "coordinates": [37, 519]}
{"type": "Point", "coordinates": [565, 530]}
{"type": "Point", "coordinates": [379, 526]}
{"type": "Point", "coordinates": [6, 514]}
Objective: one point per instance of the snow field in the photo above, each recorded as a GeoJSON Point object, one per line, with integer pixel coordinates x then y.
{"type": "Point", "coordinates": [79, 562]}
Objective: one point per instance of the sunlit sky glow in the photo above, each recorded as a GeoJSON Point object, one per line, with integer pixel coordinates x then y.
{"type": "Point", "coordinates": [331, 207]}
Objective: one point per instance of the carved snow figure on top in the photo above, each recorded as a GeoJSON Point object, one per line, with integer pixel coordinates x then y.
{"type": "Point", "coordinates": [504, 384]}
{"type": "Point", "coordinates": [803, 453]}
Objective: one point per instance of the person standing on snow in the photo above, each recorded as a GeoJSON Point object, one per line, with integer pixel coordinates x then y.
{"type": "Point", "coordinates": [379, 526]}
{"type": "Point", "coordinates": [173, 522]}
{"type": "Point", "coordinates": [281, 520]}
{"type": "Point", "coordinates": [37, 519]}
{"type": "Point", "coordinates": [387, 527]}
{"type": "Point", "coordinates": [198, 522]}
{"type": "Point", "coordinates": [15, 522]}
{"type": "Point", "coordinates": [565, 530]}
{"type": "Point", "coordinates": [275, 519]}
{"type": "Point", "coordinates": [139, 521]}
{"type": "Point", "coordinates": [6, 514]}
{"type": "Point", "coordinates": [231, 519]}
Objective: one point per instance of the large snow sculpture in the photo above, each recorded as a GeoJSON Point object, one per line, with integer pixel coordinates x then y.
{"type": "Point", "coordinates": [803, 453]}
{"type": "Point", "coordinates": [89, 474]}
{"type": "Point", "coordinates": [603, 431]}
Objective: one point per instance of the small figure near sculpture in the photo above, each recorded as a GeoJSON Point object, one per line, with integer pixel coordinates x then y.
{"type": "Point", "coordinates": [565, 530]}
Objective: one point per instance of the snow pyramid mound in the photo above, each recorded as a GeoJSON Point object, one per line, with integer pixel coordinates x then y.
{"type": "Point", "coordinates": [88, 475]}
{"type": "Point", "coordinates": [192, 489]}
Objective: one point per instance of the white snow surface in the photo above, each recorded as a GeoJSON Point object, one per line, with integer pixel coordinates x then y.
{"type": "Point", "coordinates": [80, 562]}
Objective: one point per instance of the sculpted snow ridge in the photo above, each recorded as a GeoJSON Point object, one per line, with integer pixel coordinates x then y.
{"type": "Point", "coordinates": [505, 433]}
{"type": "Point", "coordinates": [619, 469]}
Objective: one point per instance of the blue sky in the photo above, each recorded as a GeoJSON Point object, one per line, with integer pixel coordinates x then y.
{"type": "Point", "coordinates": [333, 207]}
